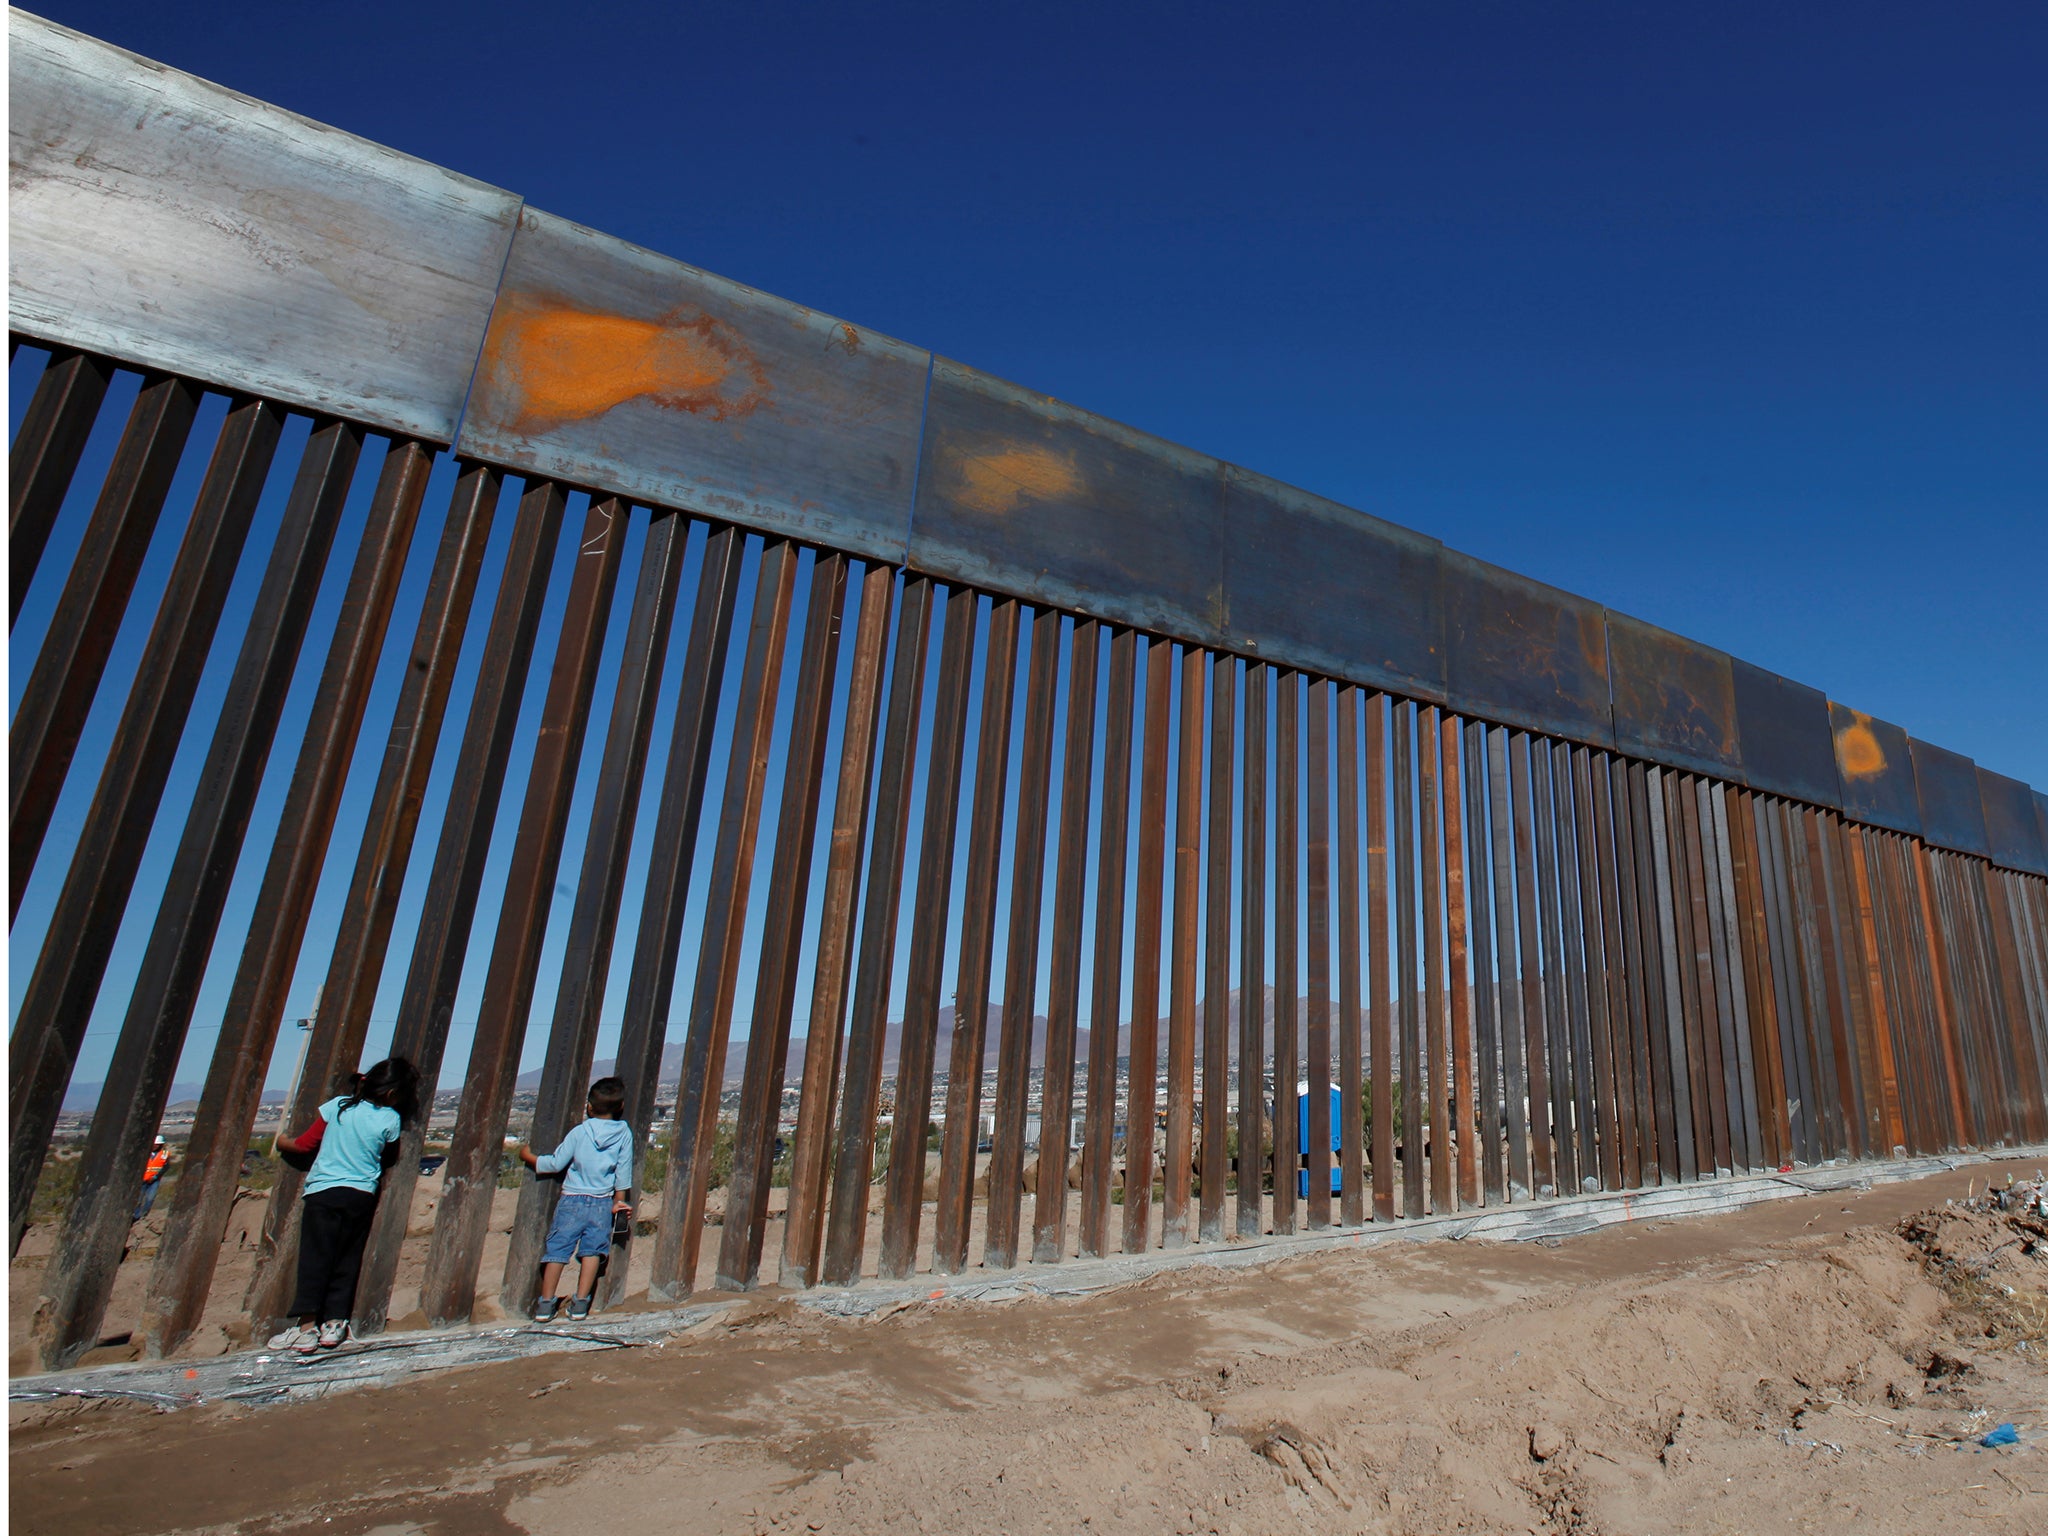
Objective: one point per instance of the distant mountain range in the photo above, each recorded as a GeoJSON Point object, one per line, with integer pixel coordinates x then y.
{"type": "Point", "coordinates": [84, 1096]}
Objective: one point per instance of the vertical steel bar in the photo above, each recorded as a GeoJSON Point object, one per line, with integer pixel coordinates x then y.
{"type": "Point", "coordinates": [1106, 999]}
{"type": "Point", "coordinates": [903, 1206]}
{"type": "Point", "coordinates": [803, 1225]}
{"type": "Point", "coordinates": [1462, 1121]}
{"type": "Point", "coordinates": [205, 1192]}
{"type": "Point", "coordinates": [44, 457]}
{"type": "Point", "coordinates": [1702, 1021]}
{"type": "Point", "coordinates": [1485, 991]}
{"type": "Point", "coordinates": [658, 941]}
{"type": "Point", "coordinates": [1572, 914]}
{"type": "Point", "coordinates": [854, 1146]}
{"type": "Point", "coordinates": [1436, 1139]}
{"type": "Point", "coordinates": [77, 946]}
{"type": "Point", "coordinates": [1319, 1123]}
{"type": "Point", "coordinates": [1557, 1021]}
{"type": "Point", "coordinates": [1593, 902]}
{"type": "Point", "coordinates": [73, 655]}
{"type": "Point", "coordinates": [1743, 1086]}
{"type": "Point", "coordinates": [1634, 1007]}
{"type": "Point", "coordinates": [1715, 992]}
{"type": "Point", "coordinates": [1381, 1052]}
{"type": "Point", "coordinates": [1410, 983]}
{"type": "Point", "coordinates": [1287, 1148]}
{"type": "Point", "coordinates": [977, 943]}
{"type": "Point", "coordinates": [1614, 965]}
{"type": "Point", "coordinates": [1215, 1148]}
{"type": "Point", "coordinates": [1760, 1020]}
{"type": "Point", "coordinates": [1147, 927]}
{"type": "Point", "coordinates": [1251, 1008]}
{"type": "Point", "coordinates": [782, 932]}
{"type": "Point", "coordinates": [1514, 1062]}
{"type": "Point", "coordinates": [1351, 1087]}
{"type": "Point", "coordinates": [1649, 949]}
{"type": "Point", "coordinates": [1681, 1149]}
{"type": "Point", "coordinates": [1020, 959]}
{"type": "Point", "coordinates": [694, 1130]}
{"type": "Point", "coordinates": [1187, 872]}
{"type": "Point", "coordinates": [469, 1179]}
{"type": "Point", "coordinates": [1063, 1006]}
{"type": "Point", "coordinates": [1535, 1032]}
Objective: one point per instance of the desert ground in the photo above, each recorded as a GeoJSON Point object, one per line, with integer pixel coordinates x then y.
{"type": "Point", "coordinates": [1820, 1364]}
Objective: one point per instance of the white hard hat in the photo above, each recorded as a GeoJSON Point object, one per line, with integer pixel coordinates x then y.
{"type": "Point", "coordinates": [159, 1141]}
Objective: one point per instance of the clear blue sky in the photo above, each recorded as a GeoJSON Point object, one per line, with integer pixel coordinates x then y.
{"type": "Point", "coordinates": [1732, 317]}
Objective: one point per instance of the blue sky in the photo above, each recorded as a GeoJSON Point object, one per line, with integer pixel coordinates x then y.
{"type": "Point", "coordinates": [1730, 317]}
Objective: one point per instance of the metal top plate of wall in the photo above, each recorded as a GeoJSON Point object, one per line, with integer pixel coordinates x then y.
{"type": "Point", "coordinates": [1517, 652]}
{"type": "Point", "coordinates": [1951, 800]}
{"type": "Point", "coordinates": [1311, 583]}
{"type": "Point", "coordinates": [1787, 745]}
{"type": "Point", "coordinates": [173, 224]}
{"type": "Point", "coordinates": [2012, 823]}
{"type": "Point", "coordinates": [1874, 759]}
{"type": "Point", "coordinates": [1674, 699]}
{"type": "Point", "coordinates": [613, 368]}
{"type": "Point", "coordinates": [1022, 494]}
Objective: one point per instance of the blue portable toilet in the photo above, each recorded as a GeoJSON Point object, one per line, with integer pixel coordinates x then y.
{"type": "Point", "coordinates": [1336, 1139]}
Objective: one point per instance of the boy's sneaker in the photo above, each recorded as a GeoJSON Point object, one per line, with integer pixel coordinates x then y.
{"type": "Point", "coordinates": [544, 1309]}
{"type": "Point", "coordinates": [293, 1337]}
{"type": "Point", "coordinates": [334, 1333]}
{"type": "Point", "coordinates": [579, 1309]}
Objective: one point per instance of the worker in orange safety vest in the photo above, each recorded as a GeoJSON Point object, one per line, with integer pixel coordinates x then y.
{"type": "Point", "coordinates": [152, 1178]}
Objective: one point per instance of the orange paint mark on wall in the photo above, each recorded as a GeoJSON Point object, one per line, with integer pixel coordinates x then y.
{"type": "Point", "coordinates": [549, 363]}
{"type": "Point", "coordinates": [1002, 481]}
{"type": "Point", "coordinates": [1857, 750]}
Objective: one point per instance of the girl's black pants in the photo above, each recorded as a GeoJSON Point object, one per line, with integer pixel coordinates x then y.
{"type": "Point", "coordinates": [331, 1238]}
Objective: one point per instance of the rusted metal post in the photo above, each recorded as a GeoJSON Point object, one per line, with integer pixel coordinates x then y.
{"type": "Point", "coordinates": [1385, 966]}
{"type": "Point", "coordinates": [1513, 1041]}
{"type": "Point", "coordinates": [803, 1226]}
{"type": "Point", "coordinates": [866, 1040]}
{"type": "Point", "coordinates": [1462, 1119]}
{"type": "Point", "coordinates": [1020, 970]}
{"type": "Point", "coordinates": [1148, 922]}
{"type": "Point", "coordinates": [694, 1131]}
{"type": "Point", "coordinates": [600, 886]}
{"type": "Point", "coordinates": [1187, 874]}
{"type": "Point", "coordinates": [1287, 1147]}
{"type": "Point", "coordinates": [1437, 1077]}
{"type": "Point", "coordinates": [1350, 966]}
{"type": "Point", "coordinates": [958, 1155]}
{"type": "Point", "coordinates": [1215, 1147]}
{"type": "Point", "coordinates": [45, 455]}
{"type": "Point", "coordinates": [73, 654]}
{"type": "Point", "coordinates": [1063, 1003]}
{"type": "Point", "coordinates": [1410, 983]}
{"type": "Point", "coordinates": [789, 885]}
{"type": "Point", "coordinates": [917, 1050]}
{"type": "Point", "coordinates": [1319, 1124]}
{"type": "Point", "coordinates": [1106, 1002]}
{"type": "Point", "coordinates": [1251, 1007]}
{"type": "Point", "coordinates": [643, 1035]}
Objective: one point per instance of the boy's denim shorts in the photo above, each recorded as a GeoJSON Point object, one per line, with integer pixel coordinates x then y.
{"type": "Point", "coordinates": [582, 1228]}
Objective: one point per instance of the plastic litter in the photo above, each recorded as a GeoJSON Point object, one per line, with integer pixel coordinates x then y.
{"type": "Point", "coordinates": [2005, 1434]}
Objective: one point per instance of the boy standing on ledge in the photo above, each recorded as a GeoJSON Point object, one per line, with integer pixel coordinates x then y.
{"type": "Point", "coordinates": [596, 1161]}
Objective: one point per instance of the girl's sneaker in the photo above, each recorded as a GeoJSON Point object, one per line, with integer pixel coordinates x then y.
{"type": "Point", "coordinates": [579, 1309]}
{"type": "Point", "coordinates": [294, 1337]}
{"type": "Point", "coordinates": [334, 1333]}
{"type": "Point", "coordinates": [544, 1309]}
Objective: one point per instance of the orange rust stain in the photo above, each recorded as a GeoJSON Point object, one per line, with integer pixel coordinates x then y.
{"type": "Point", "coordinates": [553, 363]}
{"type": "Point", "coordinates": [846, 338]}
{"type": "Point", "coordinates": [1857, 750]}
{"type": "Point", "coordinates": [1001, 481]}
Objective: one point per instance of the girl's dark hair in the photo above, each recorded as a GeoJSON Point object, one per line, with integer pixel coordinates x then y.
{"type": "Point", "coordinates": [393, 1082]}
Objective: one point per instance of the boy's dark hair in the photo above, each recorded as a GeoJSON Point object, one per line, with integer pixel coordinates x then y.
{"type": "Point", "coordinates": [608, 1098]}
{"type": "Point", "coordinates": [393, 1082]}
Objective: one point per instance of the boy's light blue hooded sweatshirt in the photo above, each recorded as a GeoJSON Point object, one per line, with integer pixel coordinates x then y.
{"type": "Point", "coordinates": [598, 1155]}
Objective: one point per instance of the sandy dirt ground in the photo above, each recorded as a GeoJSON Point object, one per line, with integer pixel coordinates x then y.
{"type": "Point", "coordinates": [1793, 1368]}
